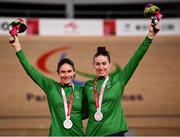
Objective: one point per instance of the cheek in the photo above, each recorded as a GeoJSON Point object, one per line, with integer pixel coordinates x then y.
{"type": "Point", "coordinates": [98, 68]}
{"type": "Point", "coordinates": [107, 67]}
{"type": "Point", "coordinates": [61, 76]}
{"type": "Point", "coordinates": [73, 74]}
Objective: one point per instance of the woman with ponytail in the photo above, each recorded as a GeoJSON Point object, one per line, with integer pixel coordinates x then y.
{"type": "Point", "coordinates": [104, 93]}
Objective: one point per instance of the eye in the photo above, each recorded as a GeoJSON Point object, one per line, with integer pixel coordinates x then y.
{"type": "Point", "coordinates": [97, 63]}
{"type": "Point", "coordinates": [62, 71]}
{"type": "Point", "coordinates": [69, 71]}
{"type": "Point", "coordinates": [104, 63]}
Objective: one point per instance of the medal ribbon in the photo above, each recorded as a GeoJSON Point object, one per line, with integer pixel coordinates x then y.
{"type": "Point", "coordinates": [96, 94]}
{"type": "Point", "coordinates": [99, 103]}
{"type": "Point", "coordinates": [67, 108]}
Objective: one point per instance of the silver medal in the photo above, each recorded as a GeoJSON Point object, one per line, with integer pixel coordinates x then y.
{"type": "Point", "coordinates": [98, 116]}
{"type": "Point", "coordinates": [67, 124]}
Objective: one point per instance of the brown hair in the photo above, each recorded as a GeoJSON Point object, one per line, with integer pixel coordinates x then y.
{"type": "Point", "coordinates": [104, 52]}
{"type": "Point", "coordinates": [65, 61]}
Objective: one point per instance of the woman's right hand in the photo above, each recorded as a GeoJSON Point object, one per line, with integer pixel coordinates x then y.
{"type": "Point", "coordinates": [15, 44]}
{"type": "Point", "coordinates": [152, 33]}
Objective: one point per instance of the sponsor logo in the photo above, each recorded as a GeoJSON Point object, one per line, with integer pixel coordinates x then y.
{"type": "Point", "coordinates": [141, 27]}
{"type": "Point", "coordinates": [4, 26]}
{"type": "Point", "coordinates": [71, 26]}
{"type": "Point", "coordinates": [168, 27]}
{"type": "Point", "coordinates": [32, 97]}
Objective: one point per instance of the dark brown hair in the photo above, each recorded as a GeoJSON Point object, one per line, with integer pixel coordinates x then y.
{"type": "Point", "coordinates": [65, 61]}
{"type": "Point", "coordinates": [104, 52]}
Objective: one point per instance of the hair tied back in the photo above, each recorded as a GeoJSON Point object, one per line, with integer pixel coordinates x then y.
{"type": "Point", "coordinates": [102, 50]}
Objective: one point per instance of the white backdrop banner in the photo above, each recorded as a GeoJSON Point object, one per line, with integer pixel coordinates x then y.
{"type": "Point", "coordinates": [92, 27]}
{"type": "Point", "coordinates": [70, 27]}
{"type": "Point", "coordinates": [131, 27]}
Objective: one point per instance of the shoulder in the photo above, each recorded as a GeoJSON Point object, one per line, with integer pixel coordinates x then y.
{"type": "Point", "coordinates": [89, 83]}
{"type": "Point", "coordinates": [78, 86]}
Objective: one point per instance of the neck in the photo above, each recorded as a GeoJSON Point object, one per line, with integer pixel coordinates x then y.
{"type": "Point", "coordinates": [103, 76]}
{"type": "Point", "coordinates": [106, 76]}
{"type": "Point", "coordinates": [63, 84]}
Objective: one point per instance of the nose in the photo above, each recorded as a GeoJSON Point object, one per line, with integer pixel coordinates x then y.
{"type": "Point", "coordinates": [65, 74]}
{"type": "Point", "coordinates": [100, 66]}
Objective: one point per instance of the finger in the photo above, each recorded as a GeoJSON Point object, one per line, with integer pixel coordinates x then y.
{"type": "Point", "coordinates": [157, 26]}
{"type": "Point", "coordinates": [12, 39]}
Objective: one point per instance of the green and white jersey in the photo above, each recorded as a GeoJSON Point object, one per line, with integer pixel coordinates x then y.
{"type": "Point", "coordinates": [55, 100]}
{"type": "Point", "coordinates": [113, 117]}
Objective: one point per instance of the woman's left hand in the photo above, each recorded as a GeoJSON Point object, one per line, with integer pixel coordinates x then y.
{"type": "Point", "coordinates": [153, 30]}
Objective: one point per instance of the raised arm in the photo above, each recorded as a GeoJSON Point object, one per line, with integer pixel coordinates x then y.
{"type": "Point", "coordinates": [35, 75]}
{"type": "Point", "coordinates": [129, 69]}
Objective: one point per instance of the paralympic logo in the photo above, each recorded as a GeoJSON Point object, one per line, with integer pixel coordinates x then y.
{"type": "Point", "coordinates": [41, 63]}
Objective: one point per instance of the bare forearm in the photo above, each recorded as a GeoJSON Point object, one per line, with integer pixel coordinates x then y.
{"type": "Point", "coordinates": [152, 33]}
{"type": "Point", "coordinates": [16, 44]}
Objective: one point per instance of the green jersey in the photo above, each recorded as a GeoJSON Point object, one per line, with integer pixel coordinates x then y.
{"type": "Point", "coordinates": [113, 117]}
{"type": "Point", "coordinates": [55, 101]}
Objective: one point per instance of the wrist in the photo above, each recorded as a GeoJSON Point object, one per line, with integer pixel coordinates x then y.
{"type": "Point", "coordinates": [18, 49]}
{"type": "Point", "coordinates": [150, 36]}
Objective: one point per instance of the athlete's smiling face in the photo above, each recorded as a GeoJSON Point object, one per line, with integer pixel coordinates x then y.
{"type": "Point", "coordinates": [101, 65]}
{"type": "Point", "coordinates": [66, 73]}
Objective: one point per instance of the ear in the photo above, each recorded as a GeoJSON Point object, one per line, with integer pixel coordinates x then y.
{"type": "Point", "coordinates": [74, 75]}
{"type": "Point", "coordinates": [58, 74]}
{"type": "Point", "coordinates": [93, 64]}
{"type": "Point", "coordinates": [110, 65]}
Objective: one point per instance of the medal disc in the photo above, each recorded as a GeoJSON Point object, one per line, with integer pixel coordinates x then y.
{"type": "Point", "coordinates": [67, 123]}
{"type": "Point", "coordinates": [98, 116]}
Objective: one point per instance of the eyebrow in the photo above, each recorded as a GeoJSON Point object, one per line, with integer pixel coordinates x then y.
{"type": "Point", "coordinates": [100, 62]}
{"type": "Point", "coordinates": [66, 70]}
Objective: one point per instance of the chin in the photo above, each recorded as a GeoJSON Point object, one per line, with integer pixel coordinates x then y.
{"type": "Point", "coordinates": [101, 75]}
{"type": "Point", "coordinates": [66, 82]}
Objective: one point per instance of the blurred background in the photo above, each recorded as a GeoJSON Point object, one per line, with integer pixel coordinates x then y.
{"type": "Point", "coordinates": [75, 28]}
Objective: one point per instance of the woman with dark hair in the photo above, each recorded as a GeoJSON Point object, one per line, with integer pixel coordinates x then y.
{"type": "Point", "coordinates": [64, 104]}
{"type": "Point", "coordinates": [104, 93]}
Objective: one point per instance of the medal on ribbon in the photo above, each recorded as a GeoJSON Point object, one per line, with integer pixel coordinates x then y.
{"type": "Point", "coordinates": [98, 116]}
{"type": "Point", "coordinates": [68, 123]}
